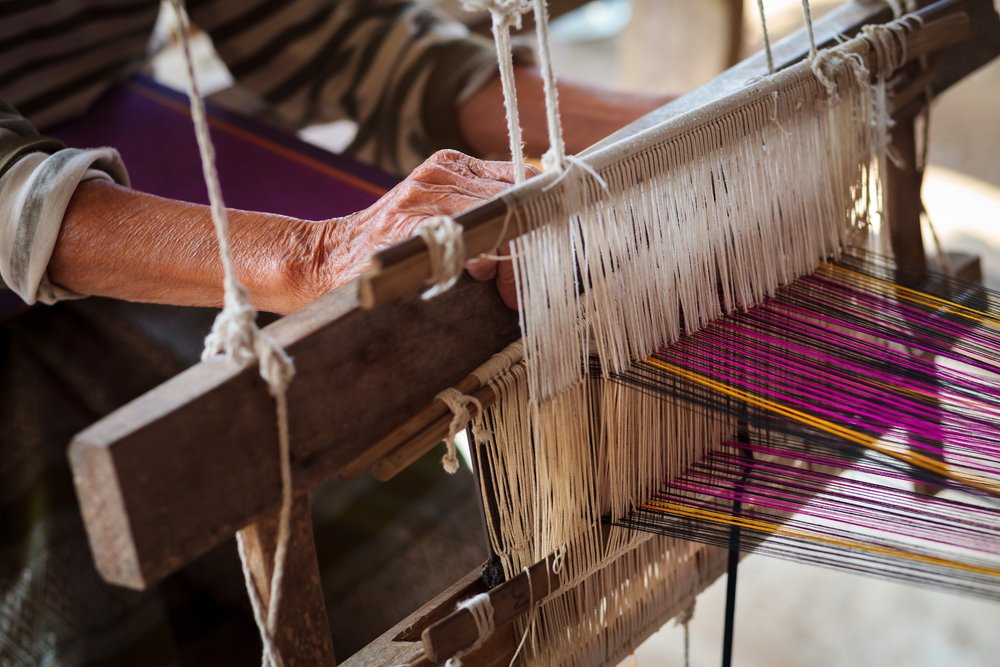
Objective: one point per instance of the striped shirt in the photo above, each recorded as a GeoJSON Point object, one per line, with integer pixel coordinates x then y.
{"type": "Point", "coordinates": [396, 68]}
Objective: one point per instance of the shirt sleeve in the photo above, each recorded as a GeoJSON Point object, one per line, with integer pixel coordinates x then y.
{"type": "Point", "coordinates": [38, 177]}
{"type": "Point", "coordinates": [398, 69]}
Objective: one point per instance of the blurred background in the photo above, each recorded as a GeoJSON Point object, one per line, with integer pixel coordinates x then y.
{"type": "Point", "coordinates": [787, 614]}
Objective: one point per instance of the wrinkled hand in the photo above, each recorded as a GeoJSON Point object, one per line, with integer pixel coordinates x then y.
{"type": "Point", "coordinates": [448, 183]}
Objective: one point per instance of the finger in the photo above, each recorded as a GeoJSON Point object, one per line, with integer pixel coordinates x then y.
{"type": "Point", "coordinates": [506, 284]}
{"type": "Point", "coordinates": [482, 269]}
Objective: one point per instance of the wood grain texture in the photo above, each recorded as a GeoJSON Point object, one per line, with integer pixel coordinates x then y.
{"type": "Point", "coordinates": [303, 633]}
{"type": "Point", "coordinates": [185, 466]}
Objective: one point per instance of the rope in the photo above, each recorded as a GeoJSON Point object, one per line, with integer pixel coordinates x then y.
{"type": "Point", "coordinates": [555, 157]}
{"type": "Point", "coordinates": [683, 619]}
{"type": "Point", "coordinates": [459, 404]}
{"type": "Point", "coordinates": [446, 251]}
{"type": "Point", "coordinates": [807, 15]}
{"type": "Point", "coordinates": [482, 613]}
{"type": "Point", "coordinates": [499, 363]}
{"type": "Point", "coordinates": [506, 14]}
{"type": "Point", "coordinates": [235, 336]}
{"type": "Point", "coordinates": [767, 37]}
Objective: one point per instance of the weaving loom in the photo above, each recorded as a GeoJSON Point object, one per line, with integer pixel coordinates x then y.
{"type": "Point", "coordinates": [664, 449]}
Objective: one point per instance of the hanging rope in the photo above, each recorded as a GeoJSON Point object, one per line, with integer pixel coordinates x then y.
{"type": "Point", "coordinates": [236, 337]}
{"type": "Point", "coordinates": [807, 15]}
{"type": "Point", "coordinates": [555, 157]}
{"type": "Point", "coordinates": [767, 37]}
{"type": "Point", "coordinates": [459, 404]}
{"type": "Point", "coordinates": [506, 14]}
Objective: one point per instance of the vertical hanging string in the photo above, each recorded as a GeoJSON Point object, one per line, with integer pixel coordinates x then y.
{"type": "Point", "coordinates": [555, 158]}
{"type": "Point", "coordinates": [684, 620]}
{"type": "Point", "coordinates": [506, 14]}
{"type": "Point", "coordinates": [807, 15]}
{"type": "Point", "coordinates": [236, 336]}
{"type": "Point", "coordinates": [767, 37]}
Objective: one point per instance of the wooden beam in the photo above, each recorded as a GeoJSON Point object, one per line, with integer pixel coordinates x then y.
{"type": "Point", "coordinates": [185, 466]}
{"type": "Point", "coordinates": [303, 633]}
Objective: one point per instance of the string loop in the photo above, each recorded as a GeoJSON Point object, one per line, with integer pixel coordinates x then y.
{"type": "Point", "coordinates": [446, 251]}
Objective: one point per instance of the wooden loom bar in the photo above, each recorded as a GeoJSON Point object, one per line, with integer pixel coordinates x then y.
{"type": "Point", "coordinates": [182, 468]}
{"type": "Point", "coordinates": [406, 267]}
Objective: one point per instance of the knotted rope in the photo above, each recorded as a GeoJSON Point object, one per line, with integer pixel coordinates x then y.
{"type": "Point", "coordinates": [446, 251]}
{"type": "Point", "coordinates": [506, 14]}
{"type": "Point", "coordinates": [236, 337]}
{"type": "Point", "coordinates": [555, 157]}
{"type": "Point", "coordinates": [459, 404]}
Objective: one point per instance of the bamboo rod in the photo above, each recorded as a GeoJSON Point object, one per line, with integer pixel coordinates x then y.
{"type": "Point", "coordinates": [406, 454]}
{"type": "Point", "coordinates": [411, 428]}
{"type": "Point", "coordinates": [406, 267]}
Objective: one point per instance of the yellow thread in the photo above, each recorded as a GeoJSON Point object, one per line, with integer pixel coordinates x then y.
{"type": "Point", "coordinates": [912, 458]}
{"type": "Point", "coordinates": [778, 529]}
{"type": "Point", "coordinates": [916, 296]}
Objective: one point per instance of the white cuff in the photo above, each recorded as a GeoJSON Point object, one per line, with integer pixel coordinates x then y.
{"type": "Point", "coordinates": [34, 195]}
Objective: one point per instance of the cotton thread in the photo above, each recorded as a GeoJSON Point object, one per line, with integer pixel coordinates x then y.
{"type": "Point", "coordinates": [481, 609]}
{"type": "Point", "coordinates": [767, 37]}
{"type": "Point", "coordinates": [445, 250]}
{"type": "Point", "coordinates": [506, 14]}
{"type": "Point", "coordinates": [459, 404]}
{"type": "Point", "coordinates": [235, 336]}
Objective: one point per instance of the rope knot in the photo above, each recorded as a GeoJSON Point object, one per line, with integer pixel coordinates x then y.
{"type": "Point", "coordinates": [459, 404]}
{"type": "Point", "coordinates": [506, 12]}
{"type": "Point", "coordinates": [446, 250]}
{"type": "Point", "coordinates": [829, 63]}
{"type": "Point", "coordinates": [234, 331]}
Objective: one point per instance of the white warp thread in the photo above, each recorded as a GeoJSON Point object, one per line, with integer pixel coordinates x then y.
{"type": "Point", "coordinates": [459, 404]}
{"type": "Point", "coordinates": [482, 613]}
{"type": "Point", "coordinates": [445, 250]}
{"type": "Point", "coordinates": [506, 14]}
{"type": "Point", "coordinates": [235, 335]}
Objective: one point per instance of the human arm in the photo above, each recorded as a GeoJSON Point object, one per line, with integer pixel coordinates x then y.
{"type": "Point", "coordinates": [130, 245]}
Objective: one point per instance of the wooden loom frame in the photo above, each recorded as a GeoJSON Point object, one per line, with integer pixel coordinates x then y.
{"type": "Point", "coordinates": [129, 466]}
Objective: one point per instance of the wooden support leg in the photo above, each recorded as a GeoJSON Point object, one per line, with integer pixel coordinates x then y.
{"type": "Point", "coordinates": [303, 633]}
{"type": "Point", "coordinates": [902, 205]}
{"type": "Point", "coordinates": [902, 210]}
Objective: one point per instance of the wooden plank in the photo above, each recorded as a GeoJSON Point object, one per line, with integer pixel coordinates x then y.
{"type": "Point", "coordinates": [302, 636]}
{"type": "Point", "coordinates": [185, 466]}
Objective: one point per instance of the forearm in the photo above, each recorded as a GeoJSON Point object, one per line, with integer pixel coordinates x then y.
{"type": "Point", "coordinates": [125, 244]}
{"type": "Point", "coordinates": [589, 114]}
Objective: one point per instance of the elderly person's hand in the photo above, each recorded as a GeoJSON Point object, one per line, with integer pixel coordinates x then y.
{"type": "Point", "coordinates": [130, 245]}
{"type": "Point", "coordinates": [448, 183]}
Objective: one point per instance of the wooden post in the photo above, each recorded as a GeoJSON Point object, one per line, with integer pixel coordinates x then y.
{"type": "Point", "coordinates": [902, 202]}
{"type": "Point", "coordinates": [303, 632]}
